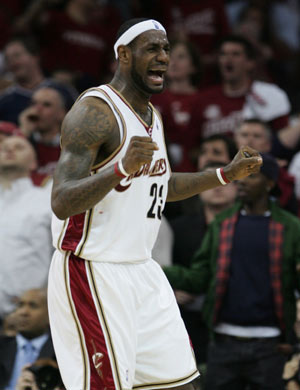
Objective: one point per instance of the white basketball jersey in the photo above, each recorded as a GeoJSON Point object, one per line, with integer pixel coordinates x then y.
{"type": "Point", "coordinates": [123, 226]}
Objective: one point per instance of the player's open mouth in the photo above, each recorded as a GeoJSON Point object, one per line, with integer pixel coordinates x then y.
{"type": "Point", "coordinates": [156, 76]}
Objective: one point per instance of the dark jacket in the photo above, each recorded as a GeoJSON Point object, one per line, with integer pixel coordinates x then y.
{"type": "Point", "coordinates": [209, 271]}
{"type": "Point", "coordinates": [8, 351]}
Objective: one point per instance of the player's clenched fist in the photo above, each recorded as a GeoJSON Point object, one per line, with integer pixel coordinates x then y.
{"type": "Point", "coordinates": [139, 152]}
{"type": "Point", "coordinates": [245, 162]}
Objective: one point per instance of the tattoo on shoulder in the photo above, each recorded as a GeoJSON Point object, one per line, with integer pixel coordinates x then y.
{"type": "Point", "coordinates": [89, 124]}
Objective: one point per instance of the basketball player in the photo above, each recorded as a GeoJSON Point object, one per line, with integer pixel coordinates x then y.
{"type": "Point", "coordinates": [114, 319]}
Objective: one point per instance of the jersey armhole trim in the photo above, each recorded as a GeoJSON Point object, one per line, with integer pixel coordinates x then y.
{"type": "Point", "coordinates": [108, 100]}
{"type": "Point", "coordinates": [162, 126]}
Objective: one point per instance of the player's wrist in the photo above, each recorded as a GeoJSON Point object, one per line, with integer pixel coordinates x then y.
{"type": "Point", "coordinates": [120, 170]}
{"type": "Point", "coordinates": [223, 179]}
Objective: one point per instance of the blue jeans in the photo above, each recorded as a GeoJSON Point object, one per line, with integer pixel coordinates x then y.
{"type": "Point", "coordinates": [244, 364]}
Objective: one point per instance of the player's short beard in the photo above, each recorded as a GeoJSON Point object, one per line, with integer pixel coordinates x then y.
{"type": "Point", "coordinates": [139, 81]}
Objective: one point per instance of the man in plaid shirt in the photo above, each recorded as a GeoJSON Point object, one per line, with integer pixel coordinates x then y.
{"type": "Point", "coordinates": [247, 267]}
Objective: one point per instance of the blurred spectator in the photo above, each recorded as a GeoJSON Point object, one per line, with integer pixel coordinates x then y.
{"type": "Point", "coordinates": [188, 232]}
{"type": "Point", "coordinates": [294, 170]}
{"type": "Point", "coordinates": [32, 340]}
{"type": "Point", "coordinates": [223, 107]}
{"type": "Point", "coordinates": [234, 8]}
{"type": "Point", "coordinates": [291, 373]}
{"type": "Point", "coordinates": [257, 134]}
{"type": "Point", "coordinates": [281, 12]}
{"type": "Point", "coordinates": [283, 144]}
{"type": "Point", "coordinates": [25, 244]}
{"type": "Point", "coordinates": [22, 58]}
{"type": "Point", "coordinates": [178, 101]}
{"type": "Point", "coordinates": [43, 374]}
{"type": "Point", "coordinates": [247, 266]}
{"type": "Point", "coordinates": [9, 9]}
{"type": "Point", "coordinates": [10, 325]}
{"type": "Point", "coordinates": [80, 35]}
{"type": "Point", "coordinates": [7, 129]}
{"type": "Point", "coordinates": [278, 12]}
{"type": "Point", "coordinates": [64, 76]}
{"type": "Point", "coordinates": [253, 24]}
{"type": "Point", "coordinates": [216, 148]}
{"type": "Point", "coordinates": [41, 123]}
{"type": "Point", "coordinates": [202, 22]}
{"type": "Point", "coordinates": [254, 133]}
{"type": "Point", "coordinates": [280, 33]}
{"type": "Point", "coordinates": [289, 137]}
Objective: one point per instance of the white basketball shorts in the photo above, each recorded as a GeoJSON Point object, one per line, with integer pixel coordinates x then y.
{"type": "Point", "coordinates": [116, 326]}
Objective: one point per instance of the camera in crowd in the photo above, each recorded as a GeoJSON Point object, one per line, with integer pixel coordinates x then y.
{"type": "Point", "coordinates": [46, 374]}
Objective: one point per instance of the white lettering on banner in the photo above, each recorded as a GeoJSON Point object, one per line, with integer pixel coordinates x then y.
{"type": "Point", "coordinates": [212, 111]}
{"type": "Point", "coordinates": [201, 22]}
{"type": "Point", "coordinates": [226, 124]}
{"type": "Point", "coordinates": [181, 117]}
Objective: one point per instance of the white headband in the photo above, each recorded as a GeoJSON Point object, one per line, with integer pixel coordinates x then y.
{"type": "Point", "coordinates": [136, 30]}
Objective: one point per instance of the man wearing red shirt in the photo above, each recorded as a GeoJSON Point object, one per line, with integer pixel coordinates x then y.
{"type": "Point", "coordinates": [222, 107]}
{"type": "Point", "coordinates": [41, 123]}
{"type": "Point", "coordinates": [76, 38]}
{"type": "Point", "coordinates": [178, 101]}
{"type": "Point", "coordinates": [202, 22]}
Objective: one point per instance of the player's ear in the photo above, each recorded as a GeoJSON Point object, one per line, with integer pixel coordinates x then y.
{"type": "Point", "coordinates": [124, 54]}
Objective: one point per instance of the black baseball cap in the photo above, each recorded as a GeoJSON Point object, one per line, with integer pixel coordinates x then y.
{"type": "Point", "coordinates": [270, 167]}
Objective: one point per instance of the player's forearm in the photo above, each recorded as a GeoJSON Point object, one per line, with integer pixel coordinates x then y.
{"type": "Point", "coordinates": [185, 185]}
{"type": "Point", "coordinates": [75, 197]}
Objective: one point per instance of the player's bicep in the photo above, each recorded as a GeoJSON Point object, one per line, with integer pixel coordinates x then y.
{"type": "Point", "coordinates": [85, 129]}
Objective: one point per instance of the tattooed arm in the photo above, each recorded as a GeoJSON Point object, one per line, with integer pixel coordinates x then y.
{"type": "Point", "coordinates": [89, 130]}
{"type": "Point", "coordinates": [185, 185]}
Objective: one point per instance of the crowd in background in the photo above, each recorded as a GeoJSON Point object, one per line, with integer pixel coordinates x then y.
{"type": "Point", "coordinates": [233, 80]}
